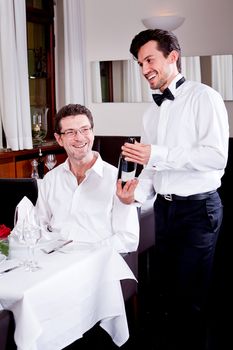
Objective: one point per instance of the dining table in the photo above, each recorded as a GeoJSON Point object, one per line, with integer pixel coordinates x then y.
{"type": "Point", "coordinates": [74, 289]}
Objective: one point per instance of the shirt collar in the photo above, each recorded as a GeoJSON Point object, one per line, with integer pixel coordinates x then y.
{"type": "Point", "coordinates": [97, 166]}
{"type": "Point", "coordinates": [172, 86]}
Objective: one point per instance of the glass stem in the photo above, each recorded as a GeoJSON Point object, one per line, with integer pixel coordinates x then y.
{"type": "Point", "coordinates": [31, 255]}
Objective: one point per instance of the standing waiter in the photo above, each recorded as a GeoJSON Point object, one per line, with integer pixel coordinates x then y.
{"type": "Point", "coordinates": [184, 148]}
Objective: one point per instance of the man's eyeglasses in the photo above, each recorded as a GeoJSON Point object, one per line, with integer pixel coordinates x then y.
{"type": "Point", "coordinates": [72, 132]}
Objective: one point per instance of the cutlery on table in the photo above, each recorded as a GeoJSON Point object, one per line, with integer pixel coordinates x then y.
{"type": "Point", "coordinates": [57, 248]}
{"type": "Point", "coordinates": [9, 269]}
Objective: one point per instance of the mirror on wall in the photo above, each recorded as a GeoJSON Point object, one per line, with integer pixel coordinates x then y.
{"type": "Point", "coordinates": [122, 80]}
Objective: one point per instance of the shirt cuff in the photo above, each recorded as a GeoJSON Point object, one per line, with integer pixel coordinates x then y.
{"type": "Point", "coordinates": [158, 156]}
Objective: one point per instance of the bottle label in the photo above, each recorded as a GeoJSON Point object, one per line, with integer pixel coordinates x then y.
{"type": "Point", "coordinates": [126, 176]}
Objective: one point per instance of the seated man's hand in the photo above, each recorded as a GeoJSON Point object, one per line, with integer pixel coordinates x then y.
{"type": "Point", "coordinates": [126, 194]}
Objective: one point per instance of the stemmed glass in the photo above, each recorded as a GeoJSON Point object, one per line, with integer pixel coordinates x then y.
{"type": "Point", "coordinates": [50, 161]}
{"type": "Point", "coordinates": [18, 232]}
{"type": "Point", "coordinates": [31, 236]}
{"type": "Point", "coordinates": [28, 233]}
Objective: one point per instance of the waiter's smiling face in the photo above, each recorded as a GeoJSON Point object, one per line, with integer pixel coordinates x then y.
{"type": "Point", "coordinates": [158, 70]}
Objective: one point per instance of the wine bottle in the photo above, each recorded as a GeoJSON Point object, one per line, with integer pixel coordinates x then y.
{"type": "Point", "coordinates": [126, 170]}
{"type": "Point", "coordinates": [40, 164]}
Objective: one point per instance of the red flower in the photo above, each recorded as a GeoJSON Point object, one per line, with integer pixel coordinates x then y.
{"type": "Point", "coordinates": [4, 231]}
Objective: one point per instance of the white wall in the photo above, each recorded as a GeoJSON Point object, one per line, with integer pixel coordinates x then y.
{"type": "Point", "coordinates": [111, 25]}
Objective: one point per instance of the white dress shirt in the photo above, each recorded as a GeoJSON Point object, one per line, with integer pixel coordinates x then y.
{"type": "Point", "coordinates": [189, 138]}
{"type": "Point", "coordinates": [89, 211]}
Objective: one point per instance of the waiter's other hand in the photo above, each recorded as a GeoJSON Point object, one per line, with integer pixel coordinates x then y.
{"type": "Point", "coordinates": [136, 152]}
{"type": "Point", "coordinates": [126, 194]}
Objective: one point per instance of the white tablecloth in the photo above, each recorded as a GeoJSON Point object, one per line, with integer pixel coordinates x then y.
{"type": "Point", "coordinates": [55, 305]}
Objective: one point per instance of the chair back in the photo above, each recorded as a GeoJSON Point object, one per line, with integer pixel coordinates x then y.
{"type": "Point", "coordinates": [7, 327]}
{"type": "Point", "coordinates": [129, 287]}
{"type": "Point", "coordinates": [12, 190]}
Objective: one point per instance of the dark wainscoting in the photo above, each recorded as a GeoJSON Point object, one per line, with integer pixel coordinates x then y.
{"type": "Point", "coordinates": [109, 148]}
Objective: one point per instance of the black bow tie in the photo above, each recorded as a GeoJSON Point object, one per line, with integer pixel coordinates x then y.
{"type": "Point", "coordinates": [159, 98]}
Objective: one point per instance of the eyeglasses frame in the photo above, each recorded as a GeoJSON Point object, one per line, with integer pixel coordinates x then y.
{"type": "Point", "coordinates": [83, 131]}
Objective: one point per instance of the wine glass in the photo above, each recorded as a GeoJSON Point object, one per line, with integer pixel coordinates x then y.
{"type": "Point", "coordinates": [50, 161]}
{"type": "Point", "coordinates": [31, 236]}
{"type": "Point", "coordinates": [18, 232]}
{"type": "Point", "coordinates": [29, 233]}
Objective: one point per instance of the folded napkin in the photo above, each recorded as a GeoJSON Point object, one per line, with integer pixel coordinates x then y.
{"type": "Point", "coordinates": [25, 213]}
{"type": "Point", "coordinates": [26, 218]}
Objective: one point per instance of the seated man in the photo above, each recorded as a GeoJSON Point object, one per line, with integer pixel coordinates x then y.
{"type": "Point", "coordinates": [77, 199]}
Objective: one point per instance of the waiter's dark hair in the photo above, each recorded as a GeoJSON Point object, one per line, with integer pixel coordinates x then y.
{"type": "Point", "coordinates": [166, 41]}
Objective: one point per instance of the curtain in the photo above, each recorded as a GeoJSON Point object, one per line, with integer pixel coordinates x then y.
{"type": "Point", "coordinates": [70, 52]}
{"type": "Point", "coordinates": [14, 93]}
{"type": "Point", "coordinates": [135, 86]}
{"type": "Point", "coordinates": [131, 81]}
{"type": "Point", "coordinates": [222, 73]}
{"type": "Point", "coordinates": [191, 68]}
{"type": "Point", "coordinates": [96, 82]}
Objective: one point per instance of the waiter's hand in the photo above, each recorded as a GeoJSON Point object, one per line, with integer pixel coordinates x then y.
{"type": "Point", "coordinates": [136, 152]}
{"type": "Point", "coordinates": [126, 194]}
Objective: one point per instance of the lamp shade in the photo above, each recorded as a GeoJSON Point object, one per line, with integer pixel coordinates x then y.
{"type": "Point", "coordinates": [163, 22]}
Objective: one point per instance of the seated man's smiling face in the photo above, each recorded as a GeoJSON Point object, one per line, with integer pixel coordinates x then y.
{"type": "Point", "coordinates": [78, 146]}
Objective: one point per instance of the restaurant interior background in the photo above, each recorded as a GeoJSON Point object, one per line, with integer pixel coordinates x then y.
{"type": "Point", "coordinates": [110, 27]}
{"type": "Point", "coordinates": [107, 30]}
{"type": "Point", "coordinates": [104, 31]}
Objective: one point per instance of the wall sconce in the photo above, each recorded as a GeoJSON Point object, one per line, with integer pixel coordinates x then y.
{"type": "Point", "coordinates": [170, 22]}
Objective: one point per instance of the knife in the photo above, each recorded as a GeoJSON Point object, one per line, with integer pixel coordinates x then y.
{"type": "Point", "coordinates": [59, 247]}
{"type": "Point", "coordinates": [10, 269]}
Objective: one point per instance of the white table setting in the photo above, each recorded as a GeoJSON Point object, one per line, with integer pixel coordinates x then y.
{"type": "Point", "coordinates": [75, 286]}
